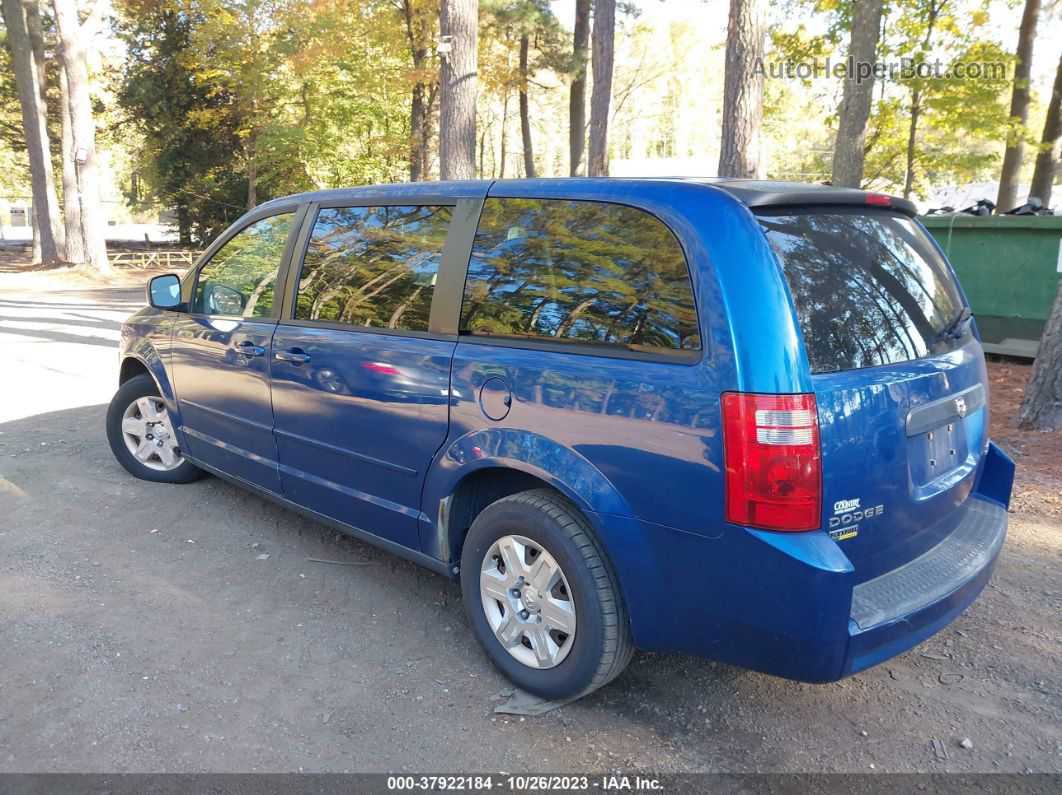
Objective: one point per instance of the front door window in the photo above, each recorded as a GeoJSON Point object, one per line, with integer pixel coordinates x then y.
{"type": "Point", "coordinates": [241, 277]}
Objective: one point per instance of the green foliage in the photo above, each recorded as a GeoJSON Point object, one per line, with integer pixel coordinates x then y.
{"type": "Point", "coordinates": [189, 138]}
{"type": "Point", "coordinates": [14, 168]}
{"type": "Point", "coordinates": [503, 24]}
{"type": "Point", "coordinates": [960, 145]}
{"type": "Point", "coordinates": [952, 144]}
{"type": "Point", "coordinates": [239, 101]}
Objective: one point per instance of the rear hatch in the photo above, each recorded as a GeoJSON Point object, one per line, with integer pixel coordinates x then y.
{"type": "Point", "coordinates": [899, 378]}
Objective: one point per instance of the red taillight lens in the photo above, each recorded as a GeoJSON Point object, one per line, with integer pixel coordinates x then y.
{"type": "Point", "coordinates": [879, 199]}
{"type": "Point", "coordinates": [772, 459]}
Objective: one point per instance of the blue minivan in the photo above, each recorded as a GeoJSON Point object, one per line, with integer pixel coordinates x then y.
{"type": "Point", "coordinates": [739, 419]}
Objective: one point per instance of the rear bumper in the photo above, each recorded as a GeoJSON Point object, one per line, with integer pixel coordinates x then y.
{"type": "Point", "coordinates": [788, 604]}
{"type": "Point", "coordinates": [903, 607]}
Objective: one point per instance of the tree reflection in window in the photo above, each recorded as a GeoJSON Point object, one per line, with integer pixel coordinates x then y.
{"type": "Point", "coordinates": [241, 276]}
{"type": "Point", "coordinates": [869, 287]}
{"type": "Point", "coordinates": [579, 270]}
{"type": "Point", "coordinates": [373, 266]}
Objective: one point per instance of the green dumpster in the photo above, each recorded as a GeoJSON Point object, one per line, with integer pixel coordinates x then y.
{"type": "Point", "coordinates": [1009, 267]}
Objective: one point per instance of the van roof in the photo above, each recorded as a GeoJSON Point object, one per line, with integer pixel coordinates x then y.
{"type": "Point", "coordinates": [754, 193]}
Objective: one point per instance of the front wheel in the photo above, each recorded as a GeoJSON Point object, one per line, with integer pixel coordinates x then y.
{"type": "Point", "coordinates": [141, 435]}
{"type": "Point", "coordinates": [542, 598]}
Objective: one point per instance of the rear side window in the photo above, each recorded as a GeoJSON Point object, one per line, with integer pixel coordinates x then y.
{"type": "Point", "coordinates": [869, 287]}
{"type": "Point", "coordinates": [373, 266]}
{"type": "Point", "coordinates": [579, 271]}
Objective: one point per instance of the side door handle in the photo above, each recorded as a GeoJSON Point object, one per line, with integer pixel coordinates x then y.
{"type": "Point", "coordinates": [248, 348]}
{"type": "Point", "coordinates": [294, 355]}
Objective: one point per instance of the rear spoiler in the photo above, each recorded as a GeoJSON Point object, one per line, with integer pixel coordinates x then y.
{"type": "Point", "coordinates": [824, 196]}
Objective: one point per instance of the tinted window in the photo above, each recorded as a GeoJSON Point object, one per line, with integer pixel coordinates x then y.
{"type": "Point", "coordinates": [373, 266]}
{"type": "Point", "coordinates": [869, 287]}
{"type": "Point", "coordinates": [579, 270]}
{"type": "Point", "coordinates": [241, 276]}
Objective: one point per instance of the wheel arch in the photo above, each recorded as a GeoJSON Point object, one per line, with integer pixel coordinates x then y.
{"type": "Point", "coordinates": [496, 462]}
{"type": "Point", "coordinates": [132, 366]}
{"type": "Point", "coordinates": [143, 358]}
{"type": "Point", "coordinates": [478, 488]}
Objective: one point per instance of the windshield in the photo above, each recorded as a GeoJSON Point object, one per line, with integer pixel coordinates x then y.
{"type": "Point", "coordinates": [869, 286]}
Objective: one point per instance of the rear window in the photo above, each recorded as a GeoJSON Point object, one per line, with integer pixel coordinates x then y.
{"type": "Point", "coordinates": [579, 271]}
{"type": "Point", "coordinates": [869, 287]}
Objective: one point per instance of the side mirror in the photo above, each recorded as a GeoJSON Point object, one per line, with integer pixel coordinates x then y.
{"type": "Point", "coordinates": [164, 292]}
{"type": "Point", "coordinates": [220, 299]}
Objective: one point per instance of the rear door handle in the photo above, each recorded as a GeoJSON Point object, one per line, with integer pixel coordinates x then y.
{"type": "Point", "coordinates": [248, 348]}
{"type": "Point", "coordinates": [295, 356]}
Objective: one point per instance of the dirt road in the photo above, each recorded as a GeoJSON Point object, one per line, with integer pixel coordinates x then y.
{"type": "Point", "coordinates": [184, 628]}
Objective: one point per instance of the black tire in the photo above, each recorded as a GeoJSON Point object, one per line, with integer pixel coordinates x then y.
{"type": "Point", "coordinates": [140, 386]}
{"type": "Point", "coordinates": [602, 644]}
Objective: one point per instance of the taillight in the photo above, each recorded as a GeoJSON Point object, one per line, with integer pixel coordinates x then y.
{"type": "Point", "coordinates": [772, 460]}
{"type": "Point", "coordinates": [879, 199]}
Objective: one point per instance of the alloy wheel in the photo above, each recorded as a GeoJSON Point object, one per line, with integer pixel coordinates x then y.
{"type": "Point", "coordinates": [527, 601]}
{"type": "Point", "coordinates": [149, 436]}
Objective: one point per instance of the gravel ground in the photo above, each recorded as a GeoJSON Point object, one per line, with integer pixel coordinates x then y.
{"type": "Point", "coordinates": [148, 628]}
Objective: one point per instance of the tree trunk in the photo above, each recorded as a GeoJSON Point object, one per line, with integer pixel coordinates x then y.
{"type": "Point", "coordinates": [917, 96]}
{"type": "Point", "coordinates": [504, 140]}
{"type": "Point", "coordinates": [525, 116]}
{"type": "Point", "coordinates": [573, 315]}
{"type": "Point", "coordinates": [75, 234]}
{"type": "Point", "coordinates": [184, 225]}
{"type": "Point", "coordinates": [850, 148]}
{"type": "Point", "coordinates": [416, 134]}
{"type": "Point", "coordinates": [418, 110]}
{"type": "Point", "coordinates": [1047, 159]}
{"type": "Point", "coordinates": [35, 237]}
{"type": "Point", "coordinates": [40, 61]}
{"type": "Point", "coordinates": [603, 47]}
{"type": "Point", "coordinates": [739, 150]}
{"type": "Point", "coordinates": [458, 26]}
{"type": "Point", "coordinates": [252, 175]}
{"type": "Point", "coordinates": [1041, 407]}
{"type": "Point", "coordinates": [35, 129]}
{"type": "Point", "coordinates": [402, 307]}
{"type": "Point", "coordinates": [577, 95]}
{"type": "Point", "coordinates": [1019, 109]}
{"type": "Point", "coordinates": [72, 39]}
{"type": "Point", "coordinates": [35, 33]}
{"type": "Point", "coordinates": [912, 133]}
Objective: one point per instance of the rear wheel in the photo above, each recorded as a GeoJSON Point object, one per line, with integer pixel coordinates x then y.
{"type": "Point", "coordinates": [542, 598]}
{"type": "Point", "coordinates": [141, 435]}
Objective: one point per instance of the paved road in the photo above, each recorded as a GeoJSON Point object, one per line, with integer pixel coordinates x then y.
{"type": "Point", "coordinates": [140, 631]}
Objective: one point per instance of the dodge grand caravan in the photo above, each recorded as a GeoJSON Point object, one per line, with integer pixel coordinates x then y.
{"type": "Point", "coordinates": [738, 419]}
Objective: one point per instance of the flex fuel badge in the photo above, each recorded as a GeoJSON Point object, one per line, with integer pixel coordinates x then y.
{"type": "Point", "coordinates": [846, 518]}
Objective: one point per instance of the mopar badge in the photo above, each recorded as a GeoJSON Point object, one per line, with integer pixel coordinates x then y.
{"type": "Point", "coordinates": [960, 407]}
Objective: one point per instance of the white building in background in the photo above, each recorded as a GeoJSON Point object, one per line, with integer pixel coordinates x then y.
{"type": "Point", "coordinates": [122, 223]}
{"type": "Point", "coordinates": [16, 213]}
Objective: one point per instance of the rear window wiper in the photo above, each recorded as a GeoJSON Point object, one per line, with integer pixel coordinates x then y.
{"type": "Point", "coordinates": [956, 327]}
